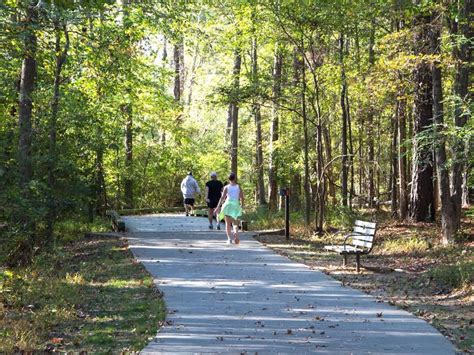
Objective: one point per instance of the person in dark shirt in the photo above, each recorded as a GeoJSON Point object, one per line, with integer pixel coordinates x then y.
{"type": "Point", "coordinates": [213, 195]}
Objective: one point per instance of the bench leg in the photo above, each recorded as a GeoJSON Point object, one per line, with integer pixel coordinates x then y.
{"type": "Point", "coordinates": [357, 262]}
{"type": "Point", "coordinates": [344, 260]}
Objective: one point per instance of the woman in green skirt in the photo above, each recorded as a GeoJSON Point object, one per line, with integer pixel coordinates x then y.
{"type": "Point", "coordinates": [231, 209]}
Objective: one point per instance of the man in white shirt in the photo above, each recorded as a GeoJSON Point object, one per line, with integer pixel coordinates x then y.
{"type": "Point", "coordinates": [189, 188]}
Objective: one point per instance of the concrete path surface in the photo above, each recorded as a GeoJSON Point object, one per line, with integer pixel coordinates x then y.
{"type": "Point", "coordinates": [247, 299]}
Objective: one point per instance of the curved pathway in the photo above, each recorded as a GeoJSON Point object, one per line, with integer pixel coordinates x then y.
{"type": "Point", "coordinates": [247, 299]}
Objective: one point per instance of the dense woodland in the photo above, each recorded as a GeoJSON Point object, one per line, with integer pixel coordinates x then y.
{"type": "Point", "coordinates": [351, 104]}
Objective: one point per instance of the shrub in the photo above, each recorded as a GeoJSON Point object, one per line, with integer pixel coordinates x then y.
{"type": "Point", "coordinates": [454, 276]}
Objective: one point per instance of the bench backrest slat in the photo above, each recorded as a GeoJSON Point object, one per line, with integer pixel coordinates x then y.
{"type": "Point", "coordinates": [365, 224]}
{"type": "Point", "coordinates": [364, 237]}
{"type": "Point", "coordinates": [364, 230]}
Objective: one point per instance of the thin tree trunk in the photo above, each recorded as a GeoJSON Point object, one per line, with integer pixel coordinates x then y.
{"type": "Point", "coordinates": [128, 112]}
{"type": "Point", "coordinates": [329, 168]}
{"type": "Point", "coordinates": [402, 159]}
{"type": "Point", "coordinates": [234, 111]}
{"type": "Point", "coordinates": [100, 189]}
{"type": "Point", "coordinates": [61, 56]}
{"type": "Point", "coordinates": [307, 193]}
{"type": "Point", "coordinates": [27, 83]}
{"type": "Point", "coordinates": [274, 128]}
{"type": "Point", "coordinates": [351, 150]}
{"type": "Point", "coordinates": [195, 65]}
{"type": "Point", "coordinates": [345, 167]}
{"type": "Point", "coordinates": [394, 156]}
{"type": "Point", "coordinates": [178, 56]}
{"type": "Point", "coordinates": [370, 126]}
{"type": "Point", "coordinates": [129, 171]}
{"type": "Point", "coordinates": [258, 128]}
{"type": "Point", "coordinates": [164, 56]}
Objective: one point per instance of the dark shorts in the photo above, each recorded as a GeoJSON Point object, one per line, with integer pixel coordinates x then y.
{"type": "Point", "coordinates": [189, 201]}
{"type": "Point", "coordinates": [212, 203]}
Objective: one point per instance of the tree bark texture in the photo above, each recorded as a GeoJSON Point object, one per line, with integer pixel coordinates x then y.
{"type": "Point", "coordinates": [450, 218]}
{"type": "Point", "coordinates": [274, 131]}
{"type": "Point", "coordinates": [27, 83]}
{"type": "Point", "coordinates": [61, 55]}
{"type": "Point", "coordinates": [402, 159]}
{"type": "Point", "coordinates": [461, 29]}
{"type": "Point", "coordinates": [178, 58]}
{"type": "Point", "coordinates": [394, 156]}
{"type": "Point", "coordinates": [234, 112]}
{"type": "Point", "coordinates": [129, 171]}
{"type": "Point", "coordinates": [261, 200]}
{"type": "Point", "coordinates": [422, 189]}
{"type": "Point", "coordinates": [370, 127]}
{"type": "Point", "coordinates": [307, 189]}
{"type": "Point", "coordinates": [344, 151]}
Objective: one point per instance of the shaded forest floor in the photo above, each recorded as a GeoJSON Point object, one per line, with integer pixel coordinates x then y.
{"type": "Point", "coordinates": [89, 295]}
{"type": "Point", "coordinates": [407, 268]}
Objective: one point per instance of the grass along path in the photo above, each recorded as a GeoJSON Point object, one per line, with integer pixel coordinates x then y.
{"type": "Point", "coordinates": [90, 295]}
{"type": "Point", "coordinates": [408, 269]}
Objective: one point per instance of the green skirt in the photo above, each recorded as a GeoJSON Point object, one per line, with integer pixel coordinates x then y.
{"type": "Point", "coordinates": [231, 208]}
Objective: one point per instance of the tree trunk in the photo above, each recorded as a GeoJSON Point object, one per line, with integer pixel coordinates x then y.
{"type": "Point", "coordinates": [274, 128]}
{"type": "Point", "coordinates": [234, 112]}
{"type": "Point", "coordinates": [27, 83]}
{"type": "Point", "coordinates": [295, 199]}
{"type": "Point", "coordinates": [100, 188]}
{"type": "Point", "coordinates": [394, 175]}
{"type": "Point", "coordinates": [370, 125]}
{"type": "Point", "coordinates": [192, 79]}
{"type": "Point", "coordinates": [351, 149]}
{"type": "Point", "coordinates": [402, 159]}
{"type": "Point", "coordinates": [422, 191]}
{"type": "Point", "coordinates": [345, 167]}
{"type": "Point", "coordinates": [321, 180]}
{"type": "Point", "coordinates": [461, 31]}
{"type": "Point", "coordinates": [128, 112]}
{"type": "Point", "coordinates": [178, 57]}
{"type": "Point", "coordinates": [329, 168]}
{"type": "Point", "coordinates": [258, 128]}
{"type": "Point", "coordinates": [307, 193]}
{"type": "Point", "coordinates": [129, 171]}
{"type": "Point", "coordinates": [449, 215]}
{"type": "Point", "coordinates": [61, 56]}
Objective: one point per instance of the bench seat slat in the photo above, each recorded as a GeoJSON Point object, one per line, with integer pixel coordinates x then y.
{"type": "Point", "coordinates": [340, 248]}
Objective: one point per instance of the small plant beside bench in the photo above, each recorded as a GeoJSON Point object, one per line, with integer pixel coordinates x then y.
{"type": "Point", "coordinates": [360, 241]}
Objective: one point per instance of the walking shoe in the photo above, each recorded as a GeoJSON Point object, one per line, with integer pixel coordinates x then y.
{"type": "Point", "coordinates": [187, 214]}
{"type": "Point", "coordinates": [229, 241]}
{"type": "Point", "coordinates": [210, 226]}
{"type": "Point", "coordinates": [218, 226]}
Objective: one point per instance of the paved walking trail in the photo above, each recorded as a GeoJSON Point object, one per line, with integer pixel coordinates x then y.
{"type": "Point", "coordinates": [247, 299]}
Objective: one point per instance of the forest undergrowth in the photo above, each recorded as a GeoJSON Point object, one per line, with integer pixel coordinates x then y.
{"type": "Point", "coordinates": [408, 268]}
{"type": "Point", "coordinates": [86, 295]}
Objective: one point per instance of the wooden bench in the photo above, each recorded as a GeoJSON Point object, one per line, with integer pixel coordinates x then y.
{"type": "Point", "coordinates": [359, 241]}
{"type": "Point", "coordinates": [118, 224]}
